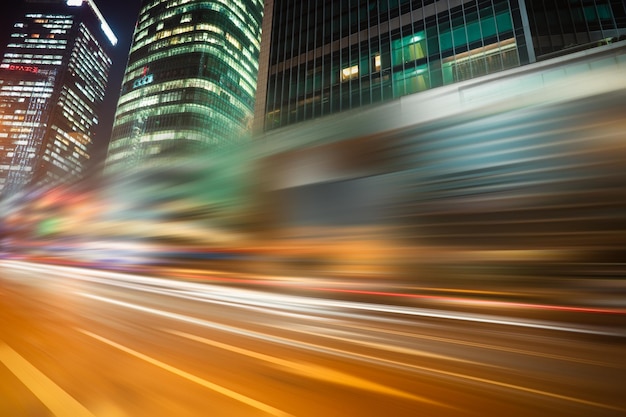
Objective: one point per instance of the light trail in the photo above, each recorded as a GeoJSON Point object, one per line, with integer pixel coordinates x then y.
{"type": "Point", "coordinates": [159, 281]}
{"type": "Point", "coordinates": [276, 300]}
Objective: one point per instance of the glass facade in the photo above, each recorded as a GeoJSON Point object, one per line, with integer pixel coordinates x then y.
{"type": "Point", "coordinates": [557, 25]}
{"type": "Point", "coordinates": [329, 56]}
{"type": "Point", "coordinates": [54, 74]}
{"type": "Point", "coordinates": [190, 82]}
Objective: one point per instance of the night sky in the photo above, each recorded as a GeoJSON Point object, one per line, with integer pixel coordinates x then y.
{"type": "Point", "coordinates": [121, 16]}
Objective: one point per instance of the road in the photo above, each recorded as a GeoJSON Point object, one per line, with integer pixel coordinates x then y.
{"type": "Point", "coordinates": [79, 342]}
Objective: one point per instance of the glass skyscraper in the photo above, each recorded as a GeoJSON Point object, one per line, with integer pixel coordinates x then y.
{"type": "Point", "coordinates": [330, 56]}
{"type": "Point", "coordinates": [327, 56]}
{"type": "Point", "coordinates": [53, 78]}
{"type": "Point", "coordinates": [190, 82]}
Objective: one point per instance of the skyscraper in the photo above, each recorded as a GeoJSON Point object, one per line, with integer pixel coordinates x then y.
{"type": "Point", "coordinates": [325, 56]}
{"type": "Point", "coordinates": [330, 56]}
{"type": "Point", "coordinates": [190, 82]}
{"type": "Point", "coordinates": [52, 84]}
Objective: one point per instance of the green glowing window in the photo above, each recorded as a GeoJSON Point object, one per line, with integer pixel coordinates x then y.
{"type": "Point", "coordinates": [409, 48]}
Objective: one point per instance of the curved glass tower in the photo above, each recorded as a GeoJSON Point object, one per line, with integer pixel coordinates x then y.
{"type": "Point", "coordinates": [190, 81]}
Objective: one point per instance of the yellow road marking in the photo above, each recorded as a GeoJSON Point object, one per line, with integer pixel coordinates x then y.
{"type": "Point", "coordinates": [59, 402]}
{"type": "Point", "coordinates": [312, 370]}
{"type": "Point", "coordinates": [207, 384]}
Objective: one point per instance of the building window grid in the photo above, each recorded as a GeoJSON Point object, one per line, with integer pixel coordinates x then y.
{"type": "Point", "coordinates": [291, 68]}
{"type": "Point", "coordinates": [300, 89]}
{"type": "Point", "coordinates": [344, 92]}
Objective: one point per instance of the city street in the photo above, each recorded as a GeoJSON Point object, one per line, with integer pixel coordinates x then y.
{"type": "Point", "coordinates": [79, 342]}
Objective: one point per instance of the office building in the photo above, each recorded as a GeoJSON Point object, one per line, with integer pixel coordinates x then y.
{"type": "Point", "coordinates": [331, 56]}
{"type": "Point", "coordinates": [322, 57]}
{"type": "Point", "coordinates": [52, 84]}
{"type": "Point", "coordinates": [190, 82]}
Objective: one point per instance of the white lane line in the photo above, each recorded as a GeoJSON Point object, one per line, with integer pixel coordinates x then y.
{"type": "Point", "coordinates": [343, 353]}
{"type": "Point", "coordinates": [200, 381]}
{"type": "Point", "coordinates": [59, 402]}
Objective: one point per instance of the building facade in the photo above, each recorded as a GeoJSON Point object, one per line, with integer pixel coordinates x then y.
{"type": "Point", "coordinates": [52, 85]}
{"type": "Point", "coordinates": [190, 82]}
{"type": "Point", "coordinates": [330, 56]}
{"type": "Point", "coordinates": [327, 56]}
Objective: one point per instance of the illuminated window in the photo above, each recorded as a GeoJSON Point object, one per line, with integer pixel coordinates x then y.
{"type": "Point", "coordinates": [480, 61]}
{"type": "Point", "coordinates": [377, 63]}
{"type": "Point", "coordinates": [350, 73]}
{"type": "Point", "coordinates": [233, 41]}
{"type": "Point", "coordinates": [409, 48]}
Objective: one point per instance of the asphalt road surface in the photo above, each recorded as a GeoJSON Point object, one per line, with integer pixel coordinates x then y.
{"type": "Point", "coordinates": [78, 342]}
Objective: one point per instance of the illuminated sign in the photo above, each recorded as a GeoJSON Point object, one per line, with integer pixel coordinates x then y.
{"type": "Point", "coordinates": [145, 80]}
{"type": "Point", "coordinates": [74, 2]}
{"type": "Point", "coordinates": [26, 68]}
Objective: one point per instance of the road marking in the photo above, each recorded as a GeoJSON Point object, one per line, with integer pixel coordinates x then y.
{"type": "Point", "coordinates": [203, 382]}
{"type": "Point", "coordinates": [311, 370]}
{"type": "Point", "coordinates": [59, 402]}
{"type": "Point", "coordinates": [311, 346]}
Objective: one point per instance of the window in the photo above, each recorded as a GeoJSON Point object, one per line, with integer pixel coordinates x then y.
{"type": "Point", "coordinates": [409, 48]}
{"type": "Point", "coordinates": [376, 62]}
{"type": "Point", "coordinates": [349, 73]}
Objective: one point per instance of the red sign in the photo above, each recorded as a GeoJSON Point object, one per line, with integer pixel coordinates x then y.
{"type": "Point", "coordinates": [27, 68]}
